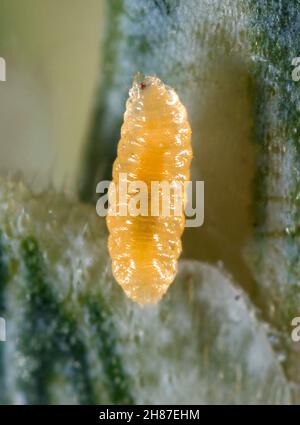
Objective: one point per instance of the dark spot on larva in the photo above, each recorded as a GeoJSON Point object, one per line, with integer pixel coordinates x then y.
{"type": "Point", "coordinates": [142, 86]}
{"type": "Point", "coordinates": [237, 297]}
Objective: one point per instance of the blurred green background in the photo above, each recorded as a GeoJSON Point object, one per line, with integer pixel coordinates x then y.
{"type": "Point", "coordinates": [52, 53]}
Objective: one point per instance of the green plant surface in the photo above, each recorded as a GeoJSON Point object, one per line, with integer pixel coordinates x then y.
{"type": "Point", "coordinates": [275, 251]}
{"type": "Point", "coordinates": [231, 64]}
{"type": "Point", "coordinates": [74, 337]}
{"type": "Point", "coordinates": [222, 333]}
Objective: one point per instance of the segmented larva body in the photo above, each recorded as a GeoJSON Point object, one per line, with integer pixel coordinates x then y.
{"type": "Point", "coordinates": [155, 145]}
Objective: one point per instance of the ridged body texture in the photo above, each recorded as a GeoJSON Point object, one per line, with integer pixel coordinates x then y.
{"type": "Point", "coordinates": [155, 146]}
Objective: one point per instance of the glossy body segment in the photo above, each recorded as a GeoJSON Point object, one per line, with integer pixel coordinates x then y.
{"type": "Point", "coordinates": [155, 146]}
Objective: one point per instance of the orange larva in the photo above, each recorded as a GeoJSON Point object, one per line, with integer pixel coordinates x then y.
{"type": "Point", "coordinates": [155, 145]}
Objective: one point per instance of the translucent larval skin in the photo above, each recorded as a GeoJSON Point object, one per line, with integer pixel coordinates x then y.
{"type": "Point", "coordinates": [155, 146]}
